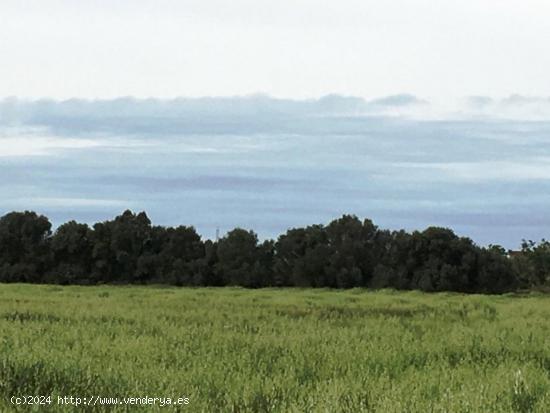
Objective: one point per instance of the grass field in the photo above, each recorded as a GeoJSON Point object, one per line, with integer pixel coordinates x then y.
{"type": "Point", "coordinates": [235, 350]}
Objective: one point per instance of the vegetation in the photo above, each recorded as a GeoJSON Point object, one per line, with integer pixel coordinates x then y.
{"type": "Point", "coordinates": [346, 253]}
{"type": "Point", "coordinates": [277, 350]}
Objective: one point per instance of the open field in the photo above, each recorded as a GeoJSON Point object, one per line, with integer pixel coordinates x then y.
{"type": "Point", "coordinates": [275, 350]}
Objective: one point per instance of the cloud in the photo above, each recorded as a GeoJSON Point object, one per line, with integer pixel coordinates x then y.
{"type": "Point", "coordinates": [39, 141]}
{"type": "Point", "coordinates": [251, 184]}
{"type": "Point", "coordinates": [271, 163]}
{"type": "Point", "coordinates": [240, 114]}
{"type": "Point", "coordinates": [254, 114]}
{"type": "Point", "coordinates": [31, 142]}
{"type": "Point", "coordinates": [531, 169]}
{"type": "Point", "coordinates": [398, 100]}
{"type": "Point", "coordinates": [519, 100]}
{"type": "Point", "coordinates": [479, 101]}
{"type": "Point", "coordinates": [337, 104]}
{"type": "Point", "coordinates": [513, 107]}
{"type": "Point", "coordinates": [63, 202]}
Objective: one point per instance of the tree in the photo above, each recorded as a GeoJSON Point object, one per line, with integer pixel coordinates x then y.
{"type": "Point", "coordinates": [183, 256]}
{"type": "Point", "coordinates": [118, 244]}
{"type": "Point", "coordinates": [72, 247]}
{"type": "Point", "coordinates": [24, 246]}
{"type": "Point", "coordinates": [538, 257]}
{"type": "Point", "coordinates": [355, 250]}
{"type": "Point", "coordinates": [439, 260]}
{"type": "Point", "coordinates": [397, 262]}
{"type": "Point", "coordinates": [301, 257]}
{"type": "Point", "coordinates": [239, 259]}
{"type": "Point", "coordinates": [495, 272]}
{"type": "Point", "coordinates": [345, 253]}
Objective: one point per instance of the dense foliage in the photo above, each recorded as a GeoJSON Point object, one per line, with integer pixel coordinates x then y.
{"type": "Point", "coordinates": [343, 254]}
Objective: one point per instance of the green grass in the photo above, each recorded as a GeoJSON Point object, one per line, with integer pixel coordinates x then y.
{"type": "Point", "coordinates": [236, 350]}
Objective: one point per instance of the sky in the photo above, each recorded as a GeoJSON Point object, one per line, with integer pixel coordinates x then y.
{"type": "Point", "coordinates": [439, 50]}
{"type": "Point", "coordinates": [273, 114]}
{"type": "Point", "coordinates": [269, 164]}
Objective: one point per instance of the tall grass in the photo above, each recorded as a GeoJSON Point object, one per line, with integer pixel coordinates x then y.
{"type": "Point", "coordinates": [274, 350]}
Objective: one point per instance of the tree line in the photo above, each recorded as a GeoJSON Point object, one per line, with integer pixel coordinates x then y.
{"type": "Point", "coordinates": [345, 253]}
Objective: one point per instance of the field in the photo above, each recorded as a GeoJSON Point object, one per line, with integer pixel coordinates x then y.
{"type": "Point", "coordinates": [236, 350]}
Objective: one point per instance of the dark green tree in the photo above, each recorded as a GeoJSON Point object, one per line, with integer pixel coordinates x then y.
{"type": "Point", "coordinates": [24, 246]}
{"type": "Point", "coordinates": [72, 247]}
{"type": "Point", "coordinates": [495, 273]}
{"type": "Point", "coordinates": [302, 255]}
{"type": "Point", "coordinates": [239, 259]}
{"type": "Point", "coordinates": [118, 245]}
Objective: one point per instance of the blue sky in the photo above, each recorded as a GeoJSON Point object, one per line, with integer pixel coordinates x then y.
{"type": "Point", "coordinates": [268, 114]}
{"type": "Point", "coordinates": [270, 164]}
